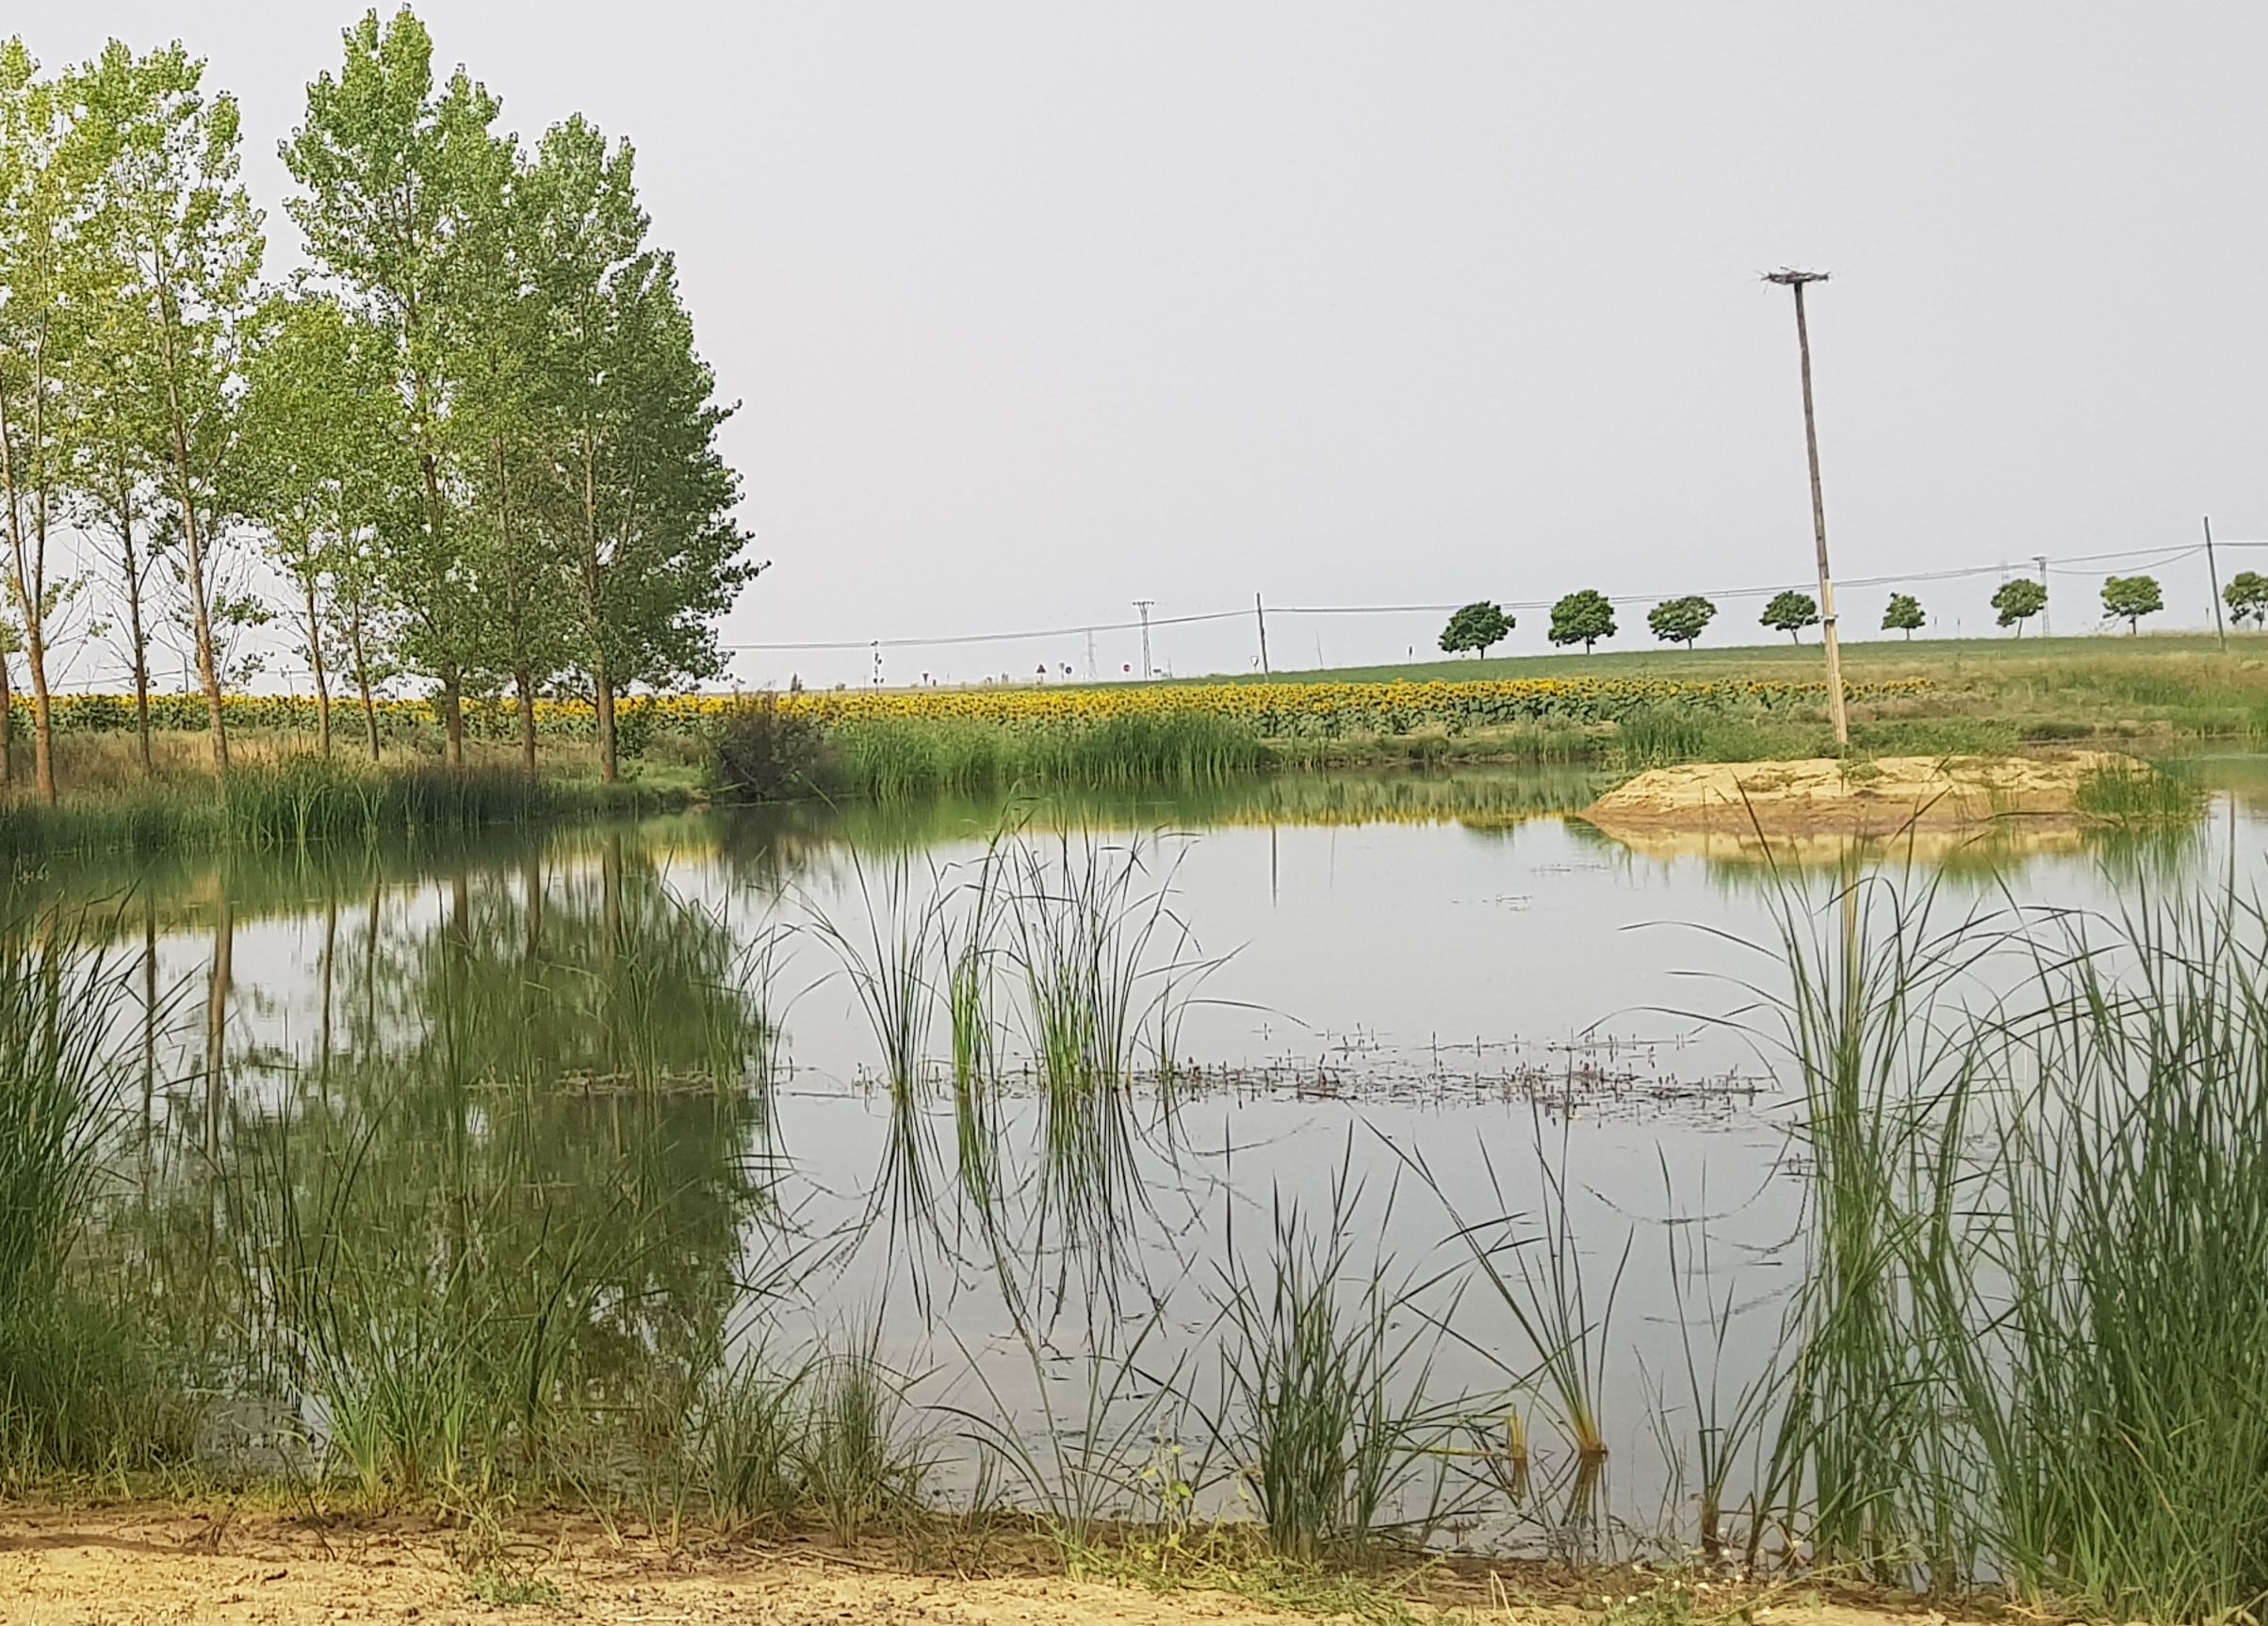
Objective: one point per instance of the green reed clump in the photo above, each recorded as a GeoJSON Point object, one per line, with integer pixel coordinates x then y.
{"type": "Point", "coordinates": [1104, 967]}
{"type": "Point", "coordinates": [79, 1387]}
{"type": "Point", "coordinates": [2123, 1416]}
{"type": "Point", "coordinates": [1323, 1391]}
{"type": "Point", "coordinates": [746, 1442]}
{"type": "Point", "coordinates": [1533, 1268]}
{"type": "Point", "coordinates": [296, 801]}
{"type": "Point", "coordinates": [2138, 793]}
{"type": "Point", "coordinates": [856, 1464]}
{"type": "Point", "coordinates": [894, 759]}
{"type": "Point", "coordinates": [1650, 735]}
{"type": "Point", "coordinates": [440, 1334]}
{"type": "Point", "coordinates": [824, 1441]}
{"type": "Point", "coordinates": [2028, 1336]}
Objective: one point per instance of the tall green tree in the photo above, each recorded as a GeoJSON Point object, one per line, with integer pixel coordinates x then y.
{"type": "Point", "coordinates": [512, 452]}
{"type": "Point", "coordinates": [117, 487]}
{"type": "Point", "coordinates": [173, 213]}
{"type": "Point", "coordinates": [2246, 594]}
{"type": "Point", "coordinates": [1583, 617]}
{"type": "Point", "coordinates": [1903, 614]}
{"type": "Point", "coordinates": [2129, 598]}
{"type": "Point", "coordinates": [403, 185]}
{"type": "Point", "coordinates": [1681, 620]}
{"type": "Point", "coordinates": [1478, 627]}
{"type": "Point", "coordinates": [2018, 600]}
{"type": "Point", "coordinates": [322, 465]}
{"type": "Point", "coordinates": [48, 293]}
{"type": "Point", "coordinates": [1791, 612]}
{"type": "Point", "coordinates": [640, 496]}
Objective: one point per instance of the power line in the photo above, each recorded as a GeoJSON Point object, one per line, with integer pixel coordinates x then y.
{"type": "Point", "coordinates": [2064, 563]}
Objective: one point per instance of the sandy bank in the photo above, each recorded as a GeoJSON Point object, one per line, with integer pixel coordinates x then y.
{"type": "Point", "coordinates": [1874, 796]}
{"type": "Point", "coordinates": [147, 1564]}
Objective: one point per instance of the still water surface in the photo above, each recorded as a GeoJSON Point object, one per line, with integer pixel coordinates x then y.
{"type": "Point", "coordinates": [1425, 1004]}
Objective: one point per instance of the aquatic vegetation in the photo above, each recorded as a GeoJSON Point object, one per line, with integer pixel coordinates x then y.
{"type": "Point", "coordinates": [2142, 793]}
{"type": "Point", "coordinates": [1324, 1390]}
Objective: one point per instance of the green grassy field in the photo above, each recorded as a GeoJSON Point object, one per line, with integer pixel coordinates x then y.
{"type": "Point", "coordinates": [1871, 659]}
{"type": "Point", "coordinates": [2159, 694]}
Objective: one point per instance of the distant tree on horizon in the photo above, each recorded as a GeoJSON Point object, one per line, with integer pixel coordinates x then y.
{"type": "Point", "coordinates": [2129, 598]}
{"type": "Point", "coordinates": [1478, 627]}
{"type": "Point", "coordinates": [1791, 612]}
{"type": "Point", "coordinates": [2018, 599]}
{"type": "Point", "coordinates": [1903, 615]}
{"type": "Point", "coordinates": [1582, 617]}
{"type": "Point", "coordinates": [1681, 620]}
{"type": "Point", "coordinates": [2246, 594]}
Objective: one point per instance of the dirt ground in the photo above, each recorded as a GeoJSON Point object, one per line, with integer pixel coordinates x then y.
{"type": "Point", "coordinates": [146, 1566]}
{"type": "Point", "coordinates": [1880, 796]}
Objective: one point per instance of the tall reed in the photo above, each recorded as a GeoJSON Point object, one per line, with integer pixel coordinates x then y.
{"type": "Point", "coordinates": [2038, 1276]}
{"type": "Point", "coordinates": [1324, 1388]}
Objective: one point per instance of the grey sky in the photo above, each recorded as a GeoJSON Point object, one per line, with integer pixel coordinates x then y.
{"type": "Point", "coordinates": [1037, 309]}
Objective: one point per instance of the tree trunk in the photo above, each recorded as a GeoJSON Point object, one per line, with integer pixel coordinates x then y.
{"type": "Point", "coordinates": [602, 679]}
{"type": "Point", "coordinates": [137, 634]}
{"type": "Point", "coordinates": [42, 718]}
{"type": "Point", "coordinates": [28, 579]}
{"type": "Point", "coordinates": [362, 679]}
{"type": "Point", "coordinates": [523, 679]}
{"type": "Point", "coordinates": [8, 727]}
{"type": "Point", "coordinates": [218, 983]}
{"type": "Point", "coordinates": [602, 697]}
{"type": "Point", "coordinates": [193, 543]}
{"type": "Point", "coordinates": [315, 654]}
{"type": "Point", "coordinates": [523, 682]}
{"type": "Point", "coordinates": [452, 716]}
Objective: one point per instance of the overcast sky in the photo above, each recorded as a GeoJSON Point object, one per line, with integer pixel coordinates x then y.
{"type": "Point", "coordinates": [1034, 310]}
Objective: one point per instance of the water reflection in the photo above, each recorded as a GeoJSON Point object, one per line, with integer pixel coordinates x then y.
{"type": "Point", "coordinates": [455, 1155]}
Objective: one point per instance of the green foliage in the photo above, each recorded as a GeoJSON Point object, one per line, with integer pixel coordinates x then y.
{"type": "Point", "coordinates": [763, 754]}
{"type": "Point", "coordinates": [891, 759]}
{"type": "Point", "coordinates": [1791, 612]}
{"type": "Point", "coordinates": [2247, 596]}
{"type": "Point", "coordinates": [1583, 617]}
{"type": "Point", "coordinates": [1477, 628]}
{"type": "Point", "coordinates": [2129, 598]}
{"type": "Point", "coordinates": [2138, 794]}
{"type": "Point", "coordinates": [1903, 614]}
{"type": "Point", "coordinates": [2018, 599]}
{"type": "Point", "coordinates": [2039, 1252]}
{"type": "Point", "coordinates": [1323, 1392]}
{"type": "Point", "coordinates": [1681, 620]}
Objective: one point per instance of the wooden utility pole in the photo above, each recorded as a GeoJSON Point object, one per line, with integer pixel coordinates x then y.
{"type": "Point", "coordinates": [1261, 615]}
{"type": "Point", "coordinates": [2213, 569]}
{"type": "Point", "coordinates": [1796, 280]}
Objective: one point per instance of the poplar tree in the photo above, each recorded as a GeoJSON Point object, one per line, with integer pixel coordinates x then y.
{"type": "Point", "coordinates": [115, 488]}
{"type": "Point", "coordinates": [46, 306]}
{"type": "Point", "coordinates": [639, 494]}
{"type": "Point", "coordinates": [516, 556]}
{"type": "Point", "coordinates": [320, 470]}
{"type": "Point", "coordinates": [173, 216]}
{"type": "Point", "coordinates": [401, 182]}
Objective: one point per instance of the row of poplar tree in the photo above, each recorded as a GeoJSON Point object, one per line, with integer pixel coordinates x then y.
{"type": "Point", "coordinates": [474, 438]}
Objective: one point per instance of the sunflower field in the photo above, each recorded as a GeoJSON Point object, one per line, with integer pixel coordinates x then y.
{"type": "Point", "coordinates": [1271, 710]}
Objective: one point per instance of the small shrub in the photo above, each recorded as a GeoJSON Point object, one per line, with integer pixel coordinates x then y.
{"type": "Point", "coordinates": [762, 753]}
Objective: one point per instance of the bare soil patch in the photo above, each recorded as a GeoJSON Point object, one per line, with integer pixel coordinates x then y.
{"type": "Point", "coordinates": [155, 1565]}
{"type": "Point", "coordinates": [1876, 797]}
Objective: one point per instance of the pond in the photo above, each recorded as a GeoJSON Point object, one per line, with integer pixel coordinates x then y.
{"type": "Point", "coordinates": [1049, 1108]}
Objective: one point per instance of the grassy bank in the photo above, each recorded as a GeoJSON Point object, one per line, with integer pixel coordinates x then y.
{"type": "Point", "coordinates": [2152, 695]}
{"type": "Point", "coordinates": [280, 800]}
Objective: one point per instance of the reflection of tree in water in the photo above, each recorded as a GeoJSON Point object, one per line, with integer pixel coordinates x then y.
{"type": "Point", "coordinates": [515, 1164]}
